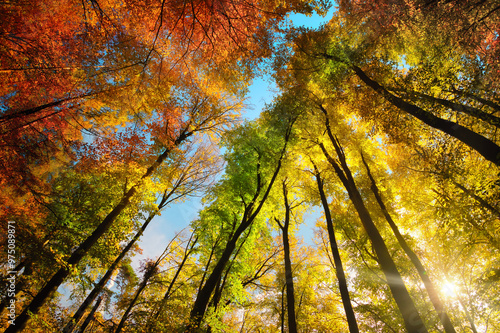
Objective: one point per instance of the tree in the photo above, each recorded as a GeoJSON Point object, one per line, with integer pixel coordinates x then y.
{"type": "Point", "coordinates": [467, 26]}
{"type": "Point", "coordinates": [290, 295]}
{"type": "Point", "coordinates": [90, 316]}
{"type": "Point", "coordinates": [99, 66]}
{"type": "Point", "coordinates": [190, 247]}
{"type": "Point", "coordinates": [267, 164]}
{"type": "Point", "coordinates": [486, 147]}
{"type": "Point", "coordinates": [339, 270]}
{"type": "Point", "coordinates": [348, 52]}
{"type": "Point", "coordinates": [150, 270]}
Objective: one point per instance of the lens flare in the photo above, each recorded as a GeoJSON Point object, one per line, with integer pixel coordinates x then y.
{"type": "Point", "coordinates": [449, 289]}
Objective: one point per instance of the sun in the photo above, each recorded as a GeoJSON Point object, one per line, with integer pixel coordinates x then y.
{"type": "Point", "coordinates": [449, 289]}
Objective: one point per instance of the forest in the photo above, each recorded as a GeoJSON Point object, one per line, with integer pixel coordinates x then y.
{"type": "Point", "coordinates": [381, 141]}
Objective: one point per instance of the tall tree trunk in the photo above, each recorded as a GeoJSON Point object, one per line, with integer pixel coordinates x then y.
{"type": "Point", "coordinates": [411, 317]}
{"type": "Point", "coordinates": [203, 297]}
{"type": "Point", "coordinates": [429, 286]}
{"type": "Point", "coordinates": [189, 249]}
{"type": "Point", "coordinates": [59, 277]}
{"type": "Point", "coordinates": [217, 294]}
{"type": "Point", "coordinates": [249, 215]}
{"type": "Point", "coordinates": [36, 109]}
{"type": "Point", "coordinates": [471, 111]}
{"type": "Point", "coordinates": [339, 269]}
{"type": "Point", "coordinates": [89, 318]}
{"type": "Point", "coordinates": [148, 274]}
{"type": "Point", "coordinates": [484, 146]}
{"type": "Point", "coordinates": [290, 294]}
{"type": "Point", "coordinates": [282, 314]}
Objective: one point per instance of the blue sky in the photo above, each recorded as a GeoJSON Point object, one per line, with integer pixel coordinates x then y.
{"type": "Point", "coordinates": [263, 90]}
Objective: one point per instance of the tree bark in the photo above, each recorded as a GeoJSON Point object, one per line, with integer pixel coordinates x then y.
{"type": "Point", "coordinates": [482, 145]}
{"type": "Point", "coordinates": [290, 294]}
{"type": "Point", "coordinates": [89, 318]}
{"type": "Point", "coordinates": [150, 270]}
{"type": "Point", "coordinates": [429, 286]}
{"type": "Point", "coordinates": [339, 269]}
{"type": "Point", "coordinates": [411, 317]}
{"type": "Point", "coordinates": [471, 111]}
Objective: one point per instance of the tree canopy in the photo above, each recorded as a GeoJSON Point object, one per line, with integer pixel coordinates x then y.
{"type": "Point", "coordinates": [382, 139]}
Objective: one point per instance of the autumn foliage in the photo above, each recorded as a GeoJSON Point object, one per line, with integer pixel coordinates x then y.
{"type": "Point", "coordinates": [364, 198]}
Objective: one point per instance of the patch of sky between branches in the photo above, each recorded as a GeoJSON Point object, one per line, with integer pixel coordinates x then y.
{"type": "Point", "coordinates": [263, 89]}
